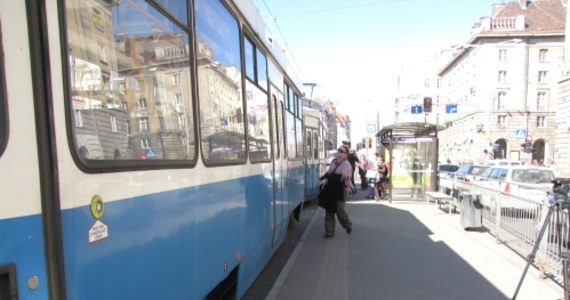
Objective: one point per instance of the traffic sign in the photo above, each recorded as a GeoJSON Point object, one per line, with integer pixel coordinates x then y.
{"type": "Point", "coordinates": [520, 134]}
{"type": "Point", "coordinates": [150, 153]}
{"type": "Point", "coordinates": [451, 108]}
{"type": "Point", "coordinates": [417, 109]}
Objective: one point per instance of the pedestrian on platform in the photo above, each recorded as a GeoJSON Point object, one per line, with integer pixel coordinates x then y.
{"type": "Point", "coordinates": [338, 185]}
{"type": "Point", "coordinates": [362, 168]}
{"type": "Point", "coordinates": [380, 178]}
{"type": "Point", "coordinates": [353, 160]}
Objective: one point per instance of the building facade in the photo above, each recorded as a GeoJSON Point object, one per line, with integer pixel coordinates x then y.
{"type": "Point", "coordinates": [504, 85]}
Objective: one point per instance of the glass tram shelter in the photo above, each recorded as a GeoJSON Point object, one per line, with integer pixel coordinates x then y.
{"type": "Point", "coordinates": [411, 153]}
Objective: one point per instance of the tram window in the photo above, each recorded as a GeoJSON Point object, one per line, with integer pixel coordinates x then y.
{"type": "Point", "coordinates": [309, 144]}
{"type": "Point", "coordinates": [261, 70]}
{"type": "Point", "coordinates": [177, 8]}
{"type": "Point", "coordinates": [255, 64]}
{"type": "Point", "coordinates": [275, 121]}
{"type": "Point", "coordinates": [283, 128]}
{"type": "Point", "coordinates": [287, 97]}
{"type": "Point", "coordinates": [315, 146]}
{"type": "Point", "coordinates": [293, 107]}
{"type": "Point", "coordinates": [258, 125]}
{"type": "Point", "coordinates": [299, 132]}
{"type": "Point", "coordinates": [248, 53]}
{"type": "Point", "coordinates": [3, 99]}
{"type": "Point", "coordinates": [219, 84]}
{"type": "Point", "coordinates": [291, 144]}
{"type": "Point", "coordinates": [142, 50]}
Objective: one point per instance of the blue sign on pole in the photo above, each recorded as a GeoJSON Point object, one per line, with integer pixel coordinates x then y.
{"type": "Point", "coordinates": [520, 134]}
{"type": "Point", "coordinates": [150, 152]}
{"type": "Point", "coordinates": [417, 109]}
{"type": "Point", "coordinates": [451, 108]}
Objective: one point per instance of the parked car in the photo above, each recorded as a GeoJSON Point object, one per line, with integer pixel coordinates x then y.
{"type": "Point", "coordinates": [503, 162]}
{"type": "Point", "coordinates": [447, 168]}
{"type": "Point", "coordinates": [470, 172]}
{"type": "Point", "coordinates": [466, 173]}
{"type": "Point", "coordinates": [529, 181]}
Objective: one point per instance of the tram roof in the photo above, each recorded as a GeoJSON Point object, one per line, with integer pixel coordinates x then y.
{"type": "Point", "coordinates": [411, 129]}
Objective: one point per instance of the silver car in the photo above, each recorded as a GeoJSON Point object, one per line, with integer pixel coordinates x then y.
{"type": "Point", "coordinates": [528, 181]}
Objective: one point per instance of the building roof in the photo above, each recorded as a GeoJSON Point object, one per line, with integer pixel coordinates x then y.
{"type": "Point", "coordinates": [539, 16]}
{"type": "Point", "coordinates": [542, 18]}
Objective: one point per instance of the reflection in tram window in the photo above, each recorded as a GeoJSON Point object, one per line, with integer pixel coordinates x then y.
{"type": "Point", "coordinates": [219, 84]}
{"type": "Point", "coordinates": [291, 143]}
{"type": "Point", "coordinates": [178, 8]}
{"type": "Point", "coordinates": [300, 142]}
{"type": "Point", "coordinates": [123, 56]}
{"type": "Point", "coordinates": [258, 123]}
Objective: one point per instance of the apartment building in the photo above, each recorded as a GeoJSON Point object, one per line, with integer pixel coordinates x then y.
{"type": "Point", "coordinates": [504, 84]}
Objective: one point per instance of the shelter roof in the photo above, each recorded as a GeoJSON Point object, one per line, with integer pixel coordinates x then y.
{"type": "Point", "coordinates": [411, 129]}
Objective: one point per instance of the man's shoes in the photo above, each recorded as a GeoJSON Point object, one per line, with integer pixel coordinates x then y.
{"type": "Point", "coordinates": [328, 236]}
{"type": "Point", "coordinates": [349, 230]}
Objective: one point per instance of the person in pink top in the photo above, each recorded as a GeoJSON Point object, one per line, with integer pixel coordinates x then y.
{"type": "Point", "coordinates": [339, 184]}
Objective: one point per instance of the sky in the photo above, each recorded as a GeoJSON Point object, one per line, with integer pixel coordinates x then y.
{"type": "Point", "coordinates": [354, 50]}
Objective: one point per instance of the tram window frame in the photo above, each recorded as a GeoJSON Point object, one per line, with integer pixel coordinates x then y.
{"type": "Point", "coordinates": [291, 135]}
{"type": "Point", "coordinates": [299, 139]}
{"type": "Point", "coordinates": [229, 78]}
{"type": "Point", "coordinates": [316, 144]}
{"type": "Point", "coordinates": [4, 124]}
{"type": "Point", "coordinates": [275, 127]}
{"type": "Point", "coordinates": [179, 38]}
{"type": "Point", "coordinates": [253, 124]}
{"type": "Point", "coordinates": [256, 85]}
{"type": "Point", "coordinates": [308, 141]}
{"type": "Point", "coordinates": [281, 116]}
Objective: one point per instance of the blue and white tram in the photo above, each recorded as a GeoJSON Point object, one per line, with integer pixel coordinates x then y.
{"type": "Point", "coordinates": [149, 149]}
{"type": "Point", "coordinates": [316, 133]}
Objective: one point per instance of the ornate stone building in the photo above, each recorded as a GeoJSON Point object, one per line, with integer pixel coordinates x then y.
{"type": "Point", "coordinates": [504, 84]}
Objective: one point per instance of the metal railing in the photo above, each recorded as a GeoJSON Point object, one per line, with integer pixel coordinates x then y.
{"type": "Point", "coordinates": [516, 221]}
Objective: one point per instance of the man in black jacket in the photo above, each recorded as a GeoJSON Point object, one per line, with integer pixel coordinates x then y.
{"type": "Point", "coordinates": [353, 159]}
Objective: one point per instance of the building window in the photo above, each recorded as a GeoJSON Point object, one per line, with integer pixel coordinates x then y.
{"type": "Point", "coordinates": [145, 143]}
{"type": "Point", "coordinates": [113, 124]}
{"type": "Point", "coordinates": [541, 121]}
{"type": "Point", "coordinates": [501, 121]}
{"type": "Point", "coordinates": [542, 76]}
{"type": "Point", "coordinates": [502, 54]}
{"type": "Point", "coordinates": [178, 99]}
{"type": "Point", "coordinates": [142, 103]}
{"type": "Point", "coordinates": [543, 55]}
{"type": "Point", "coordinates": [176, 79]}
{"type": "Point", "coordinates": [501, 98]}
{"type": "Point", "coordinates": [541, 101]}
{"type": "Point", "coordinates": [502, 76]}
{"type": "Point", "coordinates": [102, 54]}
{"type": "Point", "coordinates": [144, 126]}
{"type": "Point", "coordinates": [182, 121]}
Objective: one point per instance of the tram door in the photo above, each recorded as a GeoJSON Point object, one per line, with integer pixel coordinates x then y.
{"type": "Point", "coordinates": [279, 166]}
{"type": "Point", "coordinates": [23, 117]}
{"type": "Point", "coordinates": [312, 163]}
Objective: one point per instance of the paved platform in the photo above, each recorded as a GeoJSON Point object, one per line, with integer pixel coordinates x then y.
{"type": "Point", "coordinates": [405, 250]}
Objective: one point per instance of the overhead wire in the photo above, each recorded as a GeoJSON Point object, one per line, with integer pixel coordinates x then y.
{"type": "Point", "coordinates": [283, 37]}
{"type": "Point", "coordinates": [341, 8]}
